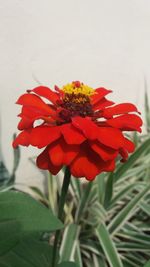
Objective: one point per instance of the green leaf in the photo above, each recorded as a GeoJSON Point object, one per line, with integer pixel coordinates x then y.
{"type": "Point", "coordinates": [129, 263]}
{"type": "Point", "coordinates": [126, 212]}
{"type": "Point", "coordinates": [108, 246]}
{"type": "Point", "coordinates": [32, 215]}
{"type": "Point", "coordinates": [131, 246]}
{"type": "Point", "coordinates": [98, 262]}
{"type": "Point", "coordinates": [78, 257]}
{"type": "Point", "coordinates": [4, 174]}
{"type": "Point", "coordinates": [136, 138]}
{"type": "Point", "coordinates": [21, 214]}
{"type": "Point", "coordinates": [132, 159]}
{"type": "Point", "coordinates": [134, 259]}
{"type": "Point", "coordinates": [16, 156]}
{"type": "Point", "coordinates": [109, 190]}
{"type": "Point", "coordinates": [40, 195]}
{"type": "Point", "coordinates": [52, 192]}
{"type": "Point", "coordinates": [132, 236]}
{"type": "Point", "coordinates": [121, 194]}
{"type": "Point", "coordinates": [84, 201]}
{"type": "Point", "coordinates": [100, 180]}
{"type": "Point", "coordinates": [147, 264]}
{"type": "Point", "coordinates": [4, 264]}
{"type": "Point", "coordinates": [147, 109]}
{"type": "Point", "coordinates": [96, 215]}
{"type": "Point", "coordinates": [15, 163]}
{"type": "Point", "coordinates": [28, 253]}
{"type": "Point", "coordinates": [67, 264]}
{"type": "Point", "coordinates": [10, 232]}
{"type": "Point", "coordinates": [68, 245]}
{"type": "Point", "coordinates": [145, 207]}
{"type": "Point", "coordinates": [76, 187]}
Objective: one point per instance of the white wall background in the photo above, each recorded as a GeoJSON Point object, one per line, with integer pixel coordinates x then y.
{"type": "Point", "coordinates": [100, 42]}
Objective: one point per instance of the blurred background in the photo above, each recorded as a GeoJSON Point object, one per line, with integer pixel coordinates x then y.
{"type": "Point", "coordinates": [100, 42]}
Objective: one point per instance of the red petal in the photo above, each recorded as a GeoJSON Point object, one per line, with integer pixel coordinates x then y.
{"type": "Point", "coordinates": [108, 166]}
{"type": "Point", "coordinates": [124, 154]}
{"type": "Point", "coordinates": [47, 93]}
{"type": "Point", "coordinates": [99, 94]}
{"type": "Point", "coordinates": [129, 145]}
{"type": "Point", "coordinates": [87, 126]}
{"type": "Point", "coordinates": [22, 139]}
{"type": "Point", "coordinates": [119, 109]}
{"type": "Point", "coordinates": [31, 112]}
{"type": "Point", "coordinates": [88, 164]}
{"type": "Point", "coordinates": [25, 123]}
{"type": "Point", "coordinates": [106, 153]}
{"type": "Point", "coordinates": [44, 135]}
{"type": "Point", "coordinates": [29, 115]}
{"type": "Point", "coordinates": [35, 102]}
{"type": "Point", "coordinates": [43, 162]}
{"type": "Point", "coordinates": [61, 153]}
{"type": "Point", "coordinates": [71, 134]}
{"type": "Point", "coordinates": [82, 166]}
{"type": "Point", "coordinates": [126, 122]}
{"type": "Point", "coordinates": [111, 137]}
{"type": "Point", "coordinates": [102, 104]}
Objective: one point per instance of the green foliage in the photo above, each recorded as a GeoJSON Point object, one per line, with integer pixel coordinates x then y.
{"type": "Point", "coordinates": [67, 264]}
{"type": "Point", "coordinates": [28, 253]}
{"type": "Point", "coordinates": [7, 179]}
{"type": "Point", "coordinates": [108, 246]}
{"type": "Point", "coordinates": [23, 216]}
{"type": "Point", "coordinates": [147, 111]}
{"type": "Point", "coordinates": [147, 264]}
{"type": "Point", "coordinates": [68, 245]}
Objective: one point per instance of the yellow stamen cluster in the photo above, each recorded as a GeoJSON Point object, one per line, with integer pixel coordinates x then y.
{"type": "Point", "coordinates": [81, 89]}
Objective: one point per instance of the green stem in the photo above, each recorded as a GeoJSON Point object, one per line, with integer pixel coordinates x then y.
{"type": "Point", "coordinates": [65, 186]}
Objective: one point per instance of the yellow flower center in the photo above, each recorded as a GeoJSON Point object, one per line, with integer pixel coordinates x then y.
{"type": "Point", "coordinates": [78, 88]}
{"type": "Point", "coordinates": [76, 101]}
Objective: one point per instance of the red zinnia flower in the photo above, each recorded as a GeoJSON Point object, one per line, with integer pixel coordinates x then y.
{"type": "Point", "coordinates": [80, 128]}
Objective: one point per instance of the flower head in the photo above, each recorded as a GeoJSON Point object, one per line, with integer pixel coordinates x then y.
{"type": "Point", "coordinates": [79, 128]}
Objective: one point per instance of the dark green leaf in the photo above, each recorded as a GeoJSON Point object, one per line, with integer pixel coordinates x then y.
{"type": "Point", "coordinates": [109, 190]}
{"type": "Point", "coordinates": [147, 110]}
{"type": "Point", "coordinates": [28, 253]}
{"type": "Point", "coordinates": [15, 163]}
{"type": "Point", "coordinates": [67, 264]}
{"type": "Point", "coordinates": [147, 264]}
{"type": "Point", "coordinates": [10, 232]}
{"type": "Point", "coordinates": [100, 180]}
{"type": "Point", "coordinates": [32, 215]}
{"type": "Point", "coordinates": [4, 174]}
{"type": "Point", "coordinates": [20, 214]}
{"type": "Point", "coordinates": [84, 201]}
